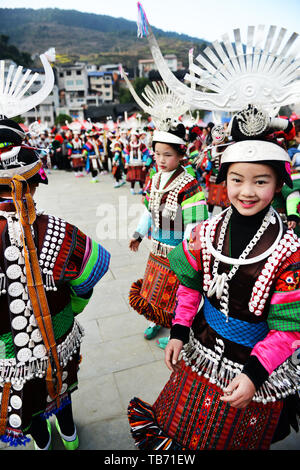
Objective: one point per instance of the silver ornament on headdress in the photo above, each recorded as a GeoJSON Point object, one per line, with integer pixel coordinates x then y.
{"type": "Point", "coordinates": [15, 86]}
{"type": "Point", "coordinates": [252, 121]}
{"type": "Point", "coordinates": [160, 103]}
{"type": "Point", "coordinates": [264, 71]}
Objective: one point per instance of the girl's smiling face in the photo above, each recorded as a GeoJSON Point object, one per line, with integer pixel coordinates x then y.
{"type": "Point", "coordinates": [166, 157]}
{"type": "Point", "coordinates": [251, 187]}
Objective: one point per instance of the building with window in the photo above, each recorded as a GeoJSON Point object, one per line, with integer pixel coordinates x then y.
{"type": "Point", "coordinates": [146, 65]}
{"type": "Point", "coordinates": [73, 88]}
{"type": "Point", "coordinates": [101, 85]}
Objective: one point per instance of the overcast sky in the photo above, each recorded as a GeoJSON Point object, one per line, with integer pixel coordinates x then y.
{"type": "Point", "coordinates": [198, 18]}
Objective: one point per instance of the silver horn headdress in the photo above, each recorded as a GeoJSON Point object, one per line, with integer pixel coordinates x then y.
{"type": "Point", "coordinates": [14, 87]}
{"type": "Point", "coordinates": [264, 71]}
{"type": "Point", "coordinates": [159, 102]}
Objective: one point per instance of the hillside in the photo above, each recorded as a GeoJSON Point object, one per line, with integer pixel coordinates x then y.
{"type": "Point", "coordinates": [86, 36]}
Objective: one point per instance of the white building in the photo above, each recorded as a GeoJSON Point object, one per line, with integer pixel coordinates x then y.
{"type": "Point", "coordinates": [73, 89]}
{"type": "Point", "coordinates": [100, 85]}
{"type": "Point", "coordinates": [146, 65]}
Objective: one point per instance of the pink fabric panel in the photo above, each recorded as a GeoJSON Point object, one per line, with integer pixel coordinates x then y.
{"type": "Point", "coordinates": [276, 348]}
{"type": "Point", "coordinates": [285, 297]}
{"type": "Point", "coordinates": [188, 301]}
{"type": "Point", "coordinates": [87, 253]}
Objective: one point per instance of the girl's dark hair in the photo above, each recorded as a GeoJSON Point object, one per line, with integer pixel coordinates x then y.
{"type": "Point", "coordinates": [179, 131]}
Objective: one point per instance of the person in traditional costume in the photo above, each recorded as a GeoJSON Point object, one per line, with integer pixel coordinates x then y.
{"type": "Point", "coordinates": [48, 269]}
{"type": "Point", "coordinates": [91, 155]}
{"type": "Point", "coordinates": [75, 147]}
{"type": "Point", "coordinates": [174, 204]}
{"type": "Point", "coordinates": [118, 162]}
{"type": "Point", "coordinates": [136, 155]}
{"type": "Point", "coordinates": [209, 163]}
{"type": "Point", "coordinates": [236, 385]}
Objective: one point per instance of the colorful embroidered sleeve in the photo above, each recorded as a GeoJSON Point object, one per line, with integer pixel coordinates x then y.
{"type": "Point", "coordinates": [284, 313]}
{"type": "Point", "coordinates": [189, 294]}
{"type": "Point", "coordinates": [94, 265]}
{"type": "Point", "coordinates": [194, 207]}
{"type": "Point", "coordinates": [283, 319]}
{"type": "Point", "coordinates": [184, 264]}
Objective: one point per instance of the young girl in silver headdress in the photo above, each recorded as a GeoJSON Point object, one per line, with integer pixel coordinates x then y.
{"type": "Point", "coordinates": [174, 204]}
{"type": "Point", "coordinates": [237, 316]}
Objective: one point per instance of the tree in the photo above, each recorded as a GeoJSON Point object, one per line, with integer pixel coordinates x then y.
{"type": "Point", "coordinates": [138, 84]}
{"type": "Point", "coordinates": [9, 51]}
{"type": "Point", "coordinates": [62, 118]}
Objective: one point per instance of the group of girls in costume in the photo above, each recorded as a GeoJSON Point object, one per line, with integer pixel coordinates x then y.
{"type": "Point", "coordinates": [131, 158]}
{"type": "Point", "coordinates": [227, 287]}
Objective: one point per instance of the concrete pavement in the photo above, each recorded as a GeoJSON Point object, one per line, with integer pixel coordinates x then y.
{"type": "Point", "coordinates": [118, 363]}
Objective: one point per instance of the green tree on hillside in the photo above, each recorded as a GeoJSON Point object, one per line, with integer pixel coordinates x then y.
{"type": "Point", "coordinates": [9, 51]}
{"type": "Point", "coordinates": [138, 84]}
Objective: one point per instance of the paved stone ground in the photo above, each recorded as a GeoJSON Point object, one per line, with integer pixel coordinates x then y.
{"type": "Point", "coordinates": [118, 363]}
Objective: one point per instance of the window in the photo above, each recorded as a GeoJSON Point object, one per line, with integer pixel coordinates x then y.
{"type": "Point", "coordinates": [70, 82]}
{"type": "Point", "coordinates": [78, 72]}
{"type": "Point", "coordinates": [69, 72]}
{"type": "Point", "coordinates": [79, 82]}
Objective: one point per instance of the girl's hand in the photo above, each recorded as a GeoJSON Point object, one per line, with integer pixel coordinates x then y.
{"type": "Point", "coordinates": [239, 392]}
{"type": "Point", "coordinates": [134, 244]}
{"type": "Point", "coordinates": [172, 352]}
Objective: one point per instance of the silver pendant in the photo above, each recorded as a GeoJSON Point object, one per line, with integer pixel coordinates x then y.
{"type": "Point", "coordinates": [21, 339]}
{"type": "Point", "coordinates": [15, 289]}
{"type": "Point", "coordinates": [14, 271]}
{"type": "Point", "coordinates": [19, 323]}
{"type": "Point", "coordinates": [17, 306]}
{"type": "Point", "coordinates": [16, 402]}
{"type": "Point", "coordinates": [36, 335]}
{"type": "Point", "coordinates": [12, 253]}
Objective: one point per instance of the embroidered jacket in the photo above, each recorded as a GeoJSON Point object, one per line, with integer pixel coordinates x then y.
{"type": "Point", "coordinates": [71, 264]}
{"type": "Point", "coordinates": [262, 334]}
{"type": "Point", "coordinates": [180, 205]}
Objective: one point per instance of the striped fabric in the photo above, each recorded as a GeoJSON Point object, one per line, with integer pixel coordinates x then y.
{"type": "Point", "coordinates": [181, 263]}
{"type": "Point", "coordinates": [194, 209]}
{"type": "Point", "coordinates": [96, 265]}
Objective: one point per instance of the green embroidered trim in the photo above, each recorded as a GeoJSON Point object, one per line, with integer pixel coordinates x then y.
{"type": "Point", "coordinates": [78, 303]}
{"type": "Point", "coordinates": [185, 273]}
{"type": "Point", "coordinates": [88, 267]}
{"type": "Point", "coordinates": [6, 346]}
{"type": "Point", "coordinates": [284, 317]}
{"type": "Point", "coordinates": [194, 214]}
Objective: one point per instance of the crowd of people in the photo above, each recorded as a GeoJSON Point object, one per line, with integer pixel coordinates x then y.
{"type": "Point", "coordinates": [226, 285]}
